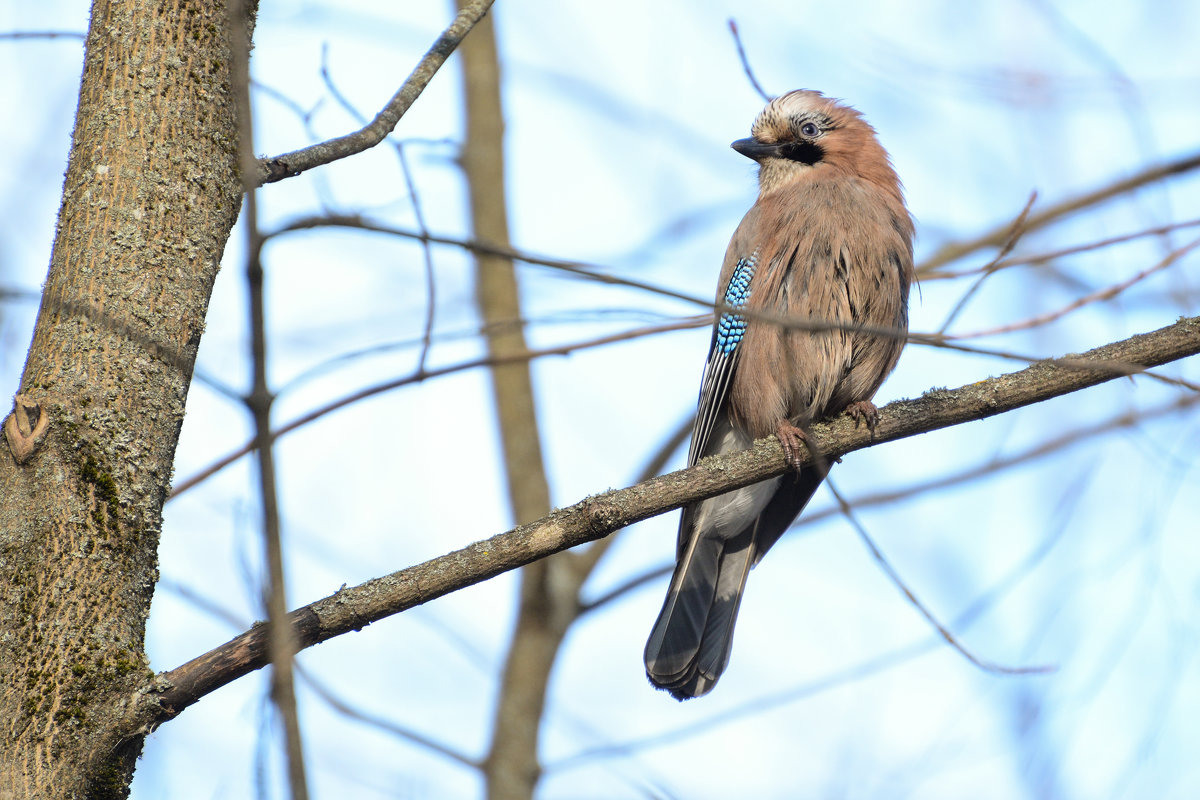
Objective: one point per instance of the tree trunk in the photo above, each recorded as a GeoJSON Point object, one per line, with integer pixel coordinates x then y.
{"type": "Point", "coordinates": [151, 193]}
{"type": "Point", "coordinates": [511, 768]}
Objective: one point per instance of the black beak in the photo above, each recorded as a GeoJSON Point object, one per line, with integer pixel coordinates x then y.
{"type": "Point", "coordinates": [804, 152]}
{"type": "Point", "coordinates": [752, 148]}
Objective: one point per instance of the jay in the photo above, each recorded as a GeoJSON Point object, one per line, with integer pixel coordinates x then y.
{"type": "Point", "coordinates": [828, 246]}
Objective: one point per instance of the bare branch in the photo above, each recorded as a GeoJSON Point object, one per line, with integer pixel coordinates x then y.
{"type": "Point", "coordinates": [625, 588]}
{"type": "Point", "coordinates": [597, 516]}
{"type": "Point", "coordinates": [291, 164]}
{"type": "Point", "coordinates": [1106, 293]}
{"type": "Point", "coordinates": [590, 272]}
{"type": "Point", "coordinates": [995, 238]}
{"type": "Point", "coordinates": [586, 271]}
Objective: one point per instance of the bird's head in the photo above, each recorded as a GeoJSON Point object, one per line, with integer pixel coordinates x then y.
{"type": "Point", "coordinates": [803, 133]}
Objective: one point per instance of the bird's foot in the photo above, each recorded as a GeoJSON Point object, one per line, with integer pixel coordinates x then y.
{"type": "Point", "coordinates": [864, 411]}
{"type": "Point", "coordinates": [793, 441]}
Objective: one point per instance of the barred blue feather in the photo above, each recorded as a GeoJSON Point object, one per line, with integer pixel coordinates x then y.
{"type": "Point", "coordinates": [731, 327]}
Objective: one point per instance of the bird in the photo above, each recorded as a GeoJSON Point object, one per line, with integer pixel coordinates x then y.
{"type": "Point", "coordinates": [828, 245]}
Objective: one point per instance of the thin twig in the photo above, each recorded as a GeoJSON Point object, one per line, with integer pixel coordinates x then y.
{"type": "Point", "coordinates": [589, 272]}
{"type": "Point", "coordinates": [305, 115]}
{"type": "Point", "coordinates": [1046, 448]}
{"type": "Point", "coordinates": [895, 578]}
{"type": "Point", "coordinates": [1014, 235]}
{"type": "Point", "coordinates": [1137, 113]}
{"type": "Point", "coordinates": [418, 214]}
{"type": "Point", "coordinates": [12, 293]}
{"type": "Point", "coordinates": [1101, 294]}
{"type": "Point", "coordinates": [1052, 255]}
{"type": "Point", "coordinates": [929, 340]}
{"type": "Point", "coordinates": [737, 40]}
{"type": "Point", "coordinates": [427, 252]}
{"type": "Point", "coordinates": [281, 644]}
{"type": "Point", "coordinates": [202, 602]}
{"type": "Point", "coordinates": [625, 588]}
{"type": "Point", "coordinates": [344, 708]}
{"type": "Point", "coordinates": [28, 35]}
{"type": "Point", "coordinates": [333, 362]}
{"type": "Point", "coordinates": [371, 391]}
{"type": "Point", "coordinates": [994, 238]}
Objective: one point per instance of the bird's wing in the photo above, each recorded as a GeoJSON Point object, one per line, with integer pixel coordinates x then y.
{"type": "Point", "coordinates": [723, 352]}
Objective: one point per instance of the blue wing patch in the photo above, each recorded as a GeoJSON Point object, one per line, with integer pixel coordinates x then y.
{"type": "Point", "coordinates": [722, 357]}
{"type": "Point", "coordinates": [731, 327]}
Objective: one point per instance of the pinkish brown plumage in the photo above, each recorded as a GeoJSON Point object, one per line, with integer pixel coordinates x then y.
{"type": "Point", "coordinates": [828, 244]}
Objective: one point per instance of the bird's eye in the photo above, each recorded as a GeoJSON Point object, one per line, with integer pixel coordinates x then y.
{"type": "Point", "coordinates": [809, 129]}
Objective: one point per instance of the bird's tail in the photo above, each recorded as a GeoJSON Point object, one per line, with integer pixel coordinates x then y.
{"type": "Point", "coordinates": [726, 535]}
{"type": "Point", "coordinates": [690, 644]}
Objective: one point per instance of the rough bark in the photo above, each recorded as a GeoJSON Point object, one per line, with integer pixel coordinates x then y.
{"type": "Point", "coordinates": [151, 194]}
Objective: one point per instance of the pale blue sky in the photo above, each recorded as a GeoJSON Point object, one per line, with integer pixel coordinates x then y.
{"type": "Point", "coordinates": [619, 117]}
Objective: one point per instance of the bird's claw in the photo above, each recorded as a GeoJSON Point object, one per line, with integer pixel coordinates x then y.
{"type": "Point", "coordinates": [793, 441]}
{"type": "Point", "coordinates": [864, 411]}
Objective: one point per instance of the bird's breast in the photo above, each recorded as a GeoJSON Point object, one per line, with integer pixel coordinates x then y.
{"type": "Point", "coordinates": [828, 258]}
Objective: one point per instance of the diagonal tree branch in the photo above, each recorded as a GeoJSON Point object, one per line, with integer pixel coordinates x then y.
{"type": "Point", "coordinates": [291, 164]}
{"type": "Point", "coordinates": [888, 496]}
{"type": "Point", "coordinates": [996, 237]}
{"type": "Point", "coordinates": [597, 516]}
